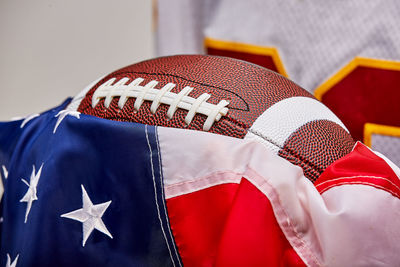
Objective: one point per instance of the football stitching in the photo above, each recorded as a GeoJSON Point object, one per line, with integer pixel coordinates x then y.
{"type": "Point", "coordinates": [86, 109]}
{"type": "Point", "coordinates": [111, 89]}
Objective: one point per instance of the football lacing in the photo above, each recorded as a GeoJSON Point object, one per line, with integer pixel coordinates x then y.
{"type": "Point", "coordinates": [148, 92]}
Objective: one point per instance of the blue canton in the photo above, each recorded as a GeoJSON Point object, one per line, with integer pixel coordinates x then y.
{"type": "Point", "coordinates": [82, 191]}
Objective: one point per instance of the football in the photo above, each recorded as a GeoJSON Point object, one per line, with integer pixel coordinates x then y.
{"type": "Point", "coordinates": [224, 96]}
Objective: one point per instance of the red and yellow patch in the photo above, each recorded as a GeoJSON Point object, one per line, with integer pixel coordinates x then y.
{"type": "Point", "coordinates": [364, 91]}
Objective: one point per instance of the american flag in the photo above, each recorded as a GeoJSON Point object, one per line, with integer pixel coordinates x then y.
{"type": "Point", "coordinates": [85, 191]}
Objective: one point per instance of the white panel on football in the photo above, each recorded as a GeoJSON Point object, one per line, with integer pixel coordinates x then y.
{"type": "Point", "coordinates": [52, 49]}
{"type": "Point", "coordinates": [387, 145]}
{"type": "Point", "coordinates": [282, 119]}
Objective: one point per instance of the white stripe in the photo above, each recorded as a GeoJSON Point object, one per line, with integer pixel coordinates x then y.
{"type": "Point", "coordinates": [155, 195]}
{"type": "Point", "coordinates": [187, 187]}
{"type": "Point", "coordinates": [163, 197]}
{"type": "Point", "coordinates": [282, 119]}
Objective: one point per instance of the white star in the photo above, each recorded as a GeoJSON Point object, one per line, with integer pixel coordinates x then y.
{"type": "Point", "coordinates": [90, 216]}
{"type": "Point", "coordinates": [11, 264]}
{"type": "Point", "coordinates": [62, 114]}
{"type": "Point", "coordinates": [5, 172]}
{"type": "Point", "coordinates": [28, 118]}
{"type": "Point", "coordinates": [30, 195]}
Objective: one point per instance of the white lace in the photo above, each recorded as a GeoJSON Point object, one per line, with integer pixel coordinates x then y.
{"type": "Point", "coordinates": [148, 92]}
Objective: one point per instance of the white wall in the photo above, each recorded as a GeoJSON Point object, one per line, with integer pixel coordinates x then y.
{"type": "Point", "coordinates": [51, 49]}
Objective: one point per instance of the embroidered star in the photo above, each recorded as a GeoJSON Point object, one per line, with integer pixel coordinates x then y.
{"type": "Point", "coordinates": [90, 216]}
{"type": "Point", "coordinates": [28, 118]}
{"type": "Point", "coordinates": [5, 172]}
{"type": "Point", "coordinates": [62, 114]}
{"type": "Point", "coordinates": [11, 264]}
{"type": "Point", "coordinates": [30, 195]}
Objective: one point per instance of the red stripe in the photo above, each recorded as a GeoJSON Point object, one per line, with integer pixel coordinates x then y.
{"type": "Point", "coordinates": [263, 60]}
{"type": "Point", "coordinates": [229, 225]}
{"type": "Point", "coordinates": [361, 166]}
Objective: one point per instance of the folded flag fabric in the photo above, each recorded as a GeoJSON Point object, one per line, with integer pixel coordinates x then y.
{"type": "Point", "coordinates": [85, 191]}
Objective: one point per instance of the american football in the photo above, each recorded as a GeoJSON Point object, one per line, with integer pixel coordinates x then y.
{"type": "Point", "coordinates": [228, 97]}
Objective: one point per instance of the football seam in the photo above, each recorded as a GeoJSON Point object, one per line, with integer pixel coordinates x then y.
{"type": "Point", "coordinates": [239, 123]}
{"type": "Point", "coordinates": [189, 80]}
